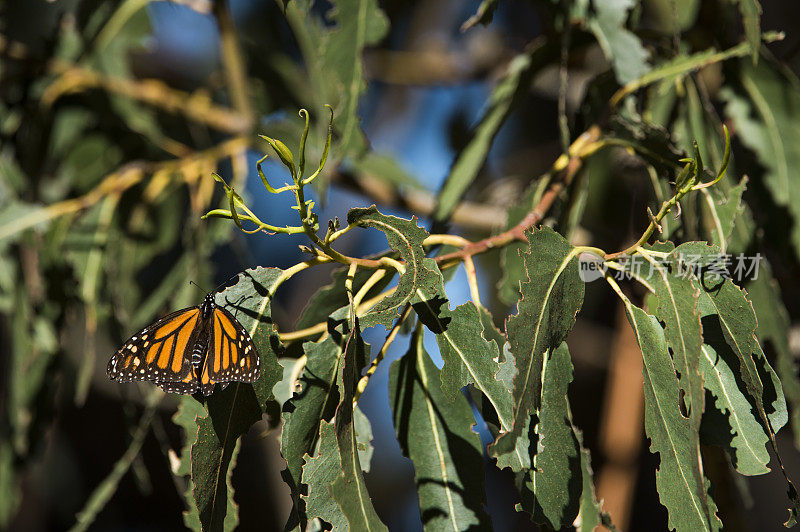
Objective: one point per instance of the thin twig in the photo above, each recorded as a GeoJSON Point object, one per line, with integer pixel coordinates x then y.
{"type": "Point", "coordinates": [472, 280]}
{"type": "Point", "coordinates": [570, 165]}
{"type": "Point", "coordinates": [362, 384]}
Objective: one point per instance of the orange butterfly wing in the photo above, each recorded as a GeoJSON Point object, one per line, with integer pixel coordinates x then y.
{"type": "Point", "coordinates": [160, 352]}
{"type": "Point", "coordinates": [231, 355]}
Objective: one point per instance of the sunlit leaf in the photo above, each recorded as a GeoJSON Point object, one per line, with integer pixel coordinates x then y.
{"type": "Point", "coordinates": [315, 399]}
{"type": "Point", "coordinates": [436, 435]}
{"type": "Point", "coordinates": [405, 237]}
{"type": "Point", "coordinates": [551, 299]}
{"type": "Point", "coordinates": [551, 490]}
{"type": "Point", "coordinates": [232, 411]}
{"type": "Point", "coordinates": [677, 295]}
{"type": "Point", "coordinates": [358, 24]}
{"type": "Point", "coordinates": [679, 477]}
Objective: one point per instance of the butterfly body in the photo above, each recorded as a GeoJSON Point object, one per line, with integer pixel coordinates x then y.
{"type": "Point", "coordinates": [189, 350]}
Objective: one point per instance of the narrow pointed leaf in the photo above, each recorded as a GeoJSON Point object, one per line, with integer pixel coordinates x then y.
{"type": "Point", "coordinates": [766, 124]}
{"type": "Point", "coordinates": [469, 358]}
{"type": "Point", "coordinates": [470, 160]}
{"type": "Point", "coordinates": [728, 421]}
{"type": "Point", "coordinates": [189, 410]}
{"type": "Point", "coordinates": [682, 488]}
{"type": "Point", "coordinates": [727, 313]}
{"type": "Point", "coordinates": [773, 332]}
{"type": "Point", "coordinates": [552, 488]}
{"type": "Point", "coordinates": [677, 296]}
{"type": "Point", "coordinates": [234, 411]}
{"type": "Point", "coordinates": [315, 400]}
{"type": "Point", "coordinates": [363, 429]}
{"type": "Point", "coordinates": [349, 489]}
{"type": "Point", "coordinates": [359, 24]}
{"type": "Point", "coordinates": [319, 472]}
{"type": "Point", "coordinates": [726, 308]}
{"type": "Point", "coordinates": [249, 300]}
{"type": "Point", "coordinates": [436, 435]}
{"type": "Point", "coordinates": [591, 513]}
{"type": "Point", "coordinates": [751, 20]}
{"type": "Point", "coordinates": [551, 299]}
{"type": "Point", "coordinates": [723, 210]}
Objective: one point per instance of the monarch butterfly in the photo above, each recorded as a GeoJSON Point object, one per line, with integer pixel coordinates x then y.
{"type": "Point", "coordinates": [189, 350]}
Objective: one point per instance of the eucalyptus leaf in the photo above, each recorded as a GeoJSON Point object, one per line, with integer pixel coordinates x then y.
{"type": "Point", "coordinates": [765, 121]}
{"type": "Point", "coordinates": [436, 435]}
{"type": "Point", "coordinates": [551, 489]}
{"type": "Point", "coordinates": [405, 237]}
{"type": "Point", "coordinates": [470, 160]}
{"type": "Point", "coordinates": [232, 411]}
{"type": "Point", "coordinates": [621, 46]}
{"type": "Point", "coordinates": [551, 299]}
{"type": "Point", "coordinates": [682, 488]}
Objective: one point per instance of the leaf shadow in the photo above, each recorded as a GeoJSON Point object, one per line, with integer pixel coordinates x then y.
{"type": "Point", "coordinates": [465, 456]}
{"type": "Point", "coordinates": [713, 336]}
{"type": "Point", "coordinates": [429, 313]}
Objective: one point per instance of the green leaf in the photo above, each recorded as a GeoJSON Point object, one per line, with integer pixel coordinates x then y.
{"type": "Point", "coordinates": [249, 300]}
{"type": "Point", "coordinates": [359, 24]}
{"type": "Point", "coordinates": [551, 299]}
{"type": "Point", "coordinates": [469, 358]}
{"type": "Point", "coordinates": [349, 489]}
{"type": "Point", "coordinates": [677, 296]}
{"type": "Point", "coordinates": [405, 237]}
{"type": "Point", "coordinates": [751, 20]}
{"type": "Point", "coordinates": [320, 472]}
{"type": "Point", "coordinates": [315, 400]}
{"type": "Point", "coordinates": [231, 413]}
{"type": "Point", "coordinates": [16, 217]}
{"type": "Point", "coordinates": [363, 430]}
{"type": "Point", "coordinates": [728, 422]}
{"type": "Point", "coordinates": [591, 513]}
{"type": "Point", "coordinates": [675, 69]}
{"type": "Point", "coordinates": [681, 486]}
{"type": "Point", "coordinates": [436, 435]}
{"type": "Point", "coordinates": [284, 154]}
{"type": "Point", "coordinates": [621, 46]}
{"type": "Point", "coordinates": [777, 120]}
{"type": "Point", "coordinates": [551, 490]}
{"type": "Point", "coordinates": [470, 160]}
{"type": "Point", "coordinates": [189, 410]}
{"type": "Point", "coordinates": [723, 211]}
{"type": "Point", "coordinates": [727, 315]}
{"type": "Point", "coordinates": [511, 256]}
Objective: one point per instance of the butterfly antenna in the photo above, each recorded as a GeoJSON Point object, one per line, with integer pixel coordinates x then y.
{"type": "Point", "coordinates": [198, 286]}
